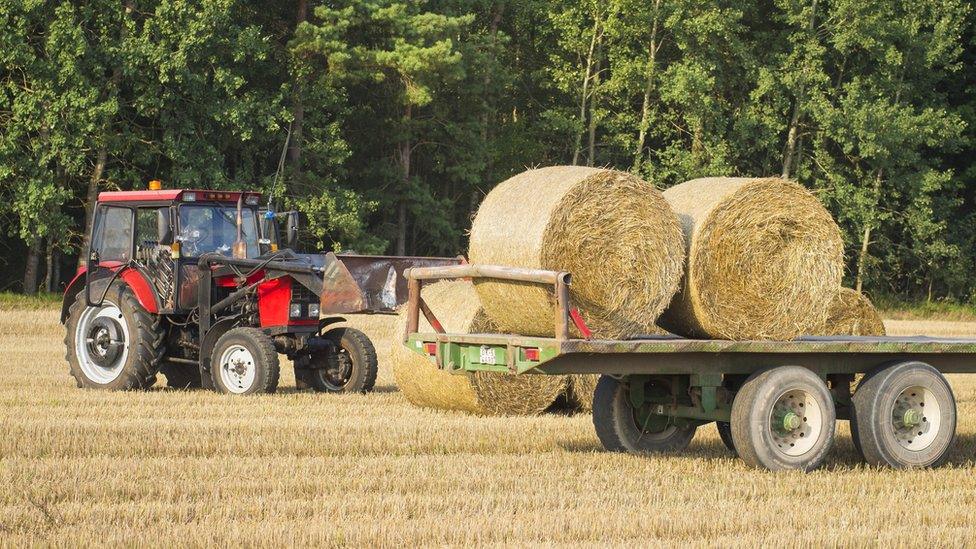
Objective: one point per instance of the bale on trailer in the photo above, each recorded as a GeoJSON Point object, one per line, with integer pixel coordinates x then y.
{"type": "Point", "coordinates": [613, 231]}
{"type": "Point", "coordinates": [457, 308]}
{"type": "Point", "coordinates": [852, 313]}
{"type": "Point", "coordinates": [764, 259]}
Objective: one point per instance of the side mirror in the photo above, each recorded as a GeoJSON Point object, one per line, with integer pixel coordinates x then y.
{"type": "Point", "coordinates": [291, 231]}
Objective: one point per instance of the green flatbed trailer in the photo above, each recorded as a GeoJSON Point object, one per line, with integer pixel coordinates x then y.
{"type": "Point", "coordinates": [775, 402]}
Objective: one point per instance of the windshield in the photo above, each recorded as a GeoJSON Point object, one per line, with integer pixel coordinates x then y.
{"type": "Point", "coordinates": [213, 228]}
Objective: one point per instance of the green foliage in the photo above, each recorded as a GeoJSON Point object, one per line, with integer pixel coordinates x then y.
{"type": "Point", "coordinates": [399, 115]}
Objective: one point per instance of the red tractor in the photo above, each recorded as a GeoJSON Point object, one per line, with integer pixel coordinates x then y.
{"type": "Point", "coordinates": [192, 284]}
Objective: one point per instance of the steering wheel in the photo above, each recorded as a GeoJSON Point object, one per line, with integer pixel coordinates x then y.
{"type": "Point", "coordinates": [191, 238]}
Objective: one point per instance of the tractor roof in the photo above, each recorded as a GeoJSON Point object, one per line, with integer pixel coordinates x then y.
{"type": "Point", "coordinates": [169, 195]}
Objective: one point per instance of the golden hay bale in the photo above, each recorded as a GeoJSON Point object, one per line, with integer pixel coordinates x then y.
{"type": "Point", "coordinates": [456, 305]}
{"type": "Point", "coordinates": [579, 391]}
{"type": "Point", "coordinates": [852, 313]}
{"type": "Point", "coordinates": [764, 259]}
{"type": "Point", "coordinates": [613, 231]}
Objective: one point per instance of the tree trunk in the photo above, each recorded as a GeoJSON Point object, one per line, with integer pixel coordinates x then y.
{"type": "Point", "coordinates": [32, 266]}
{"type": "Point", "coordinates": [49, 267]}
{"type": "Point", "coordinates": [862, 257]}
{"type": "Point", "coordinates": [792, 134]}
{"type": "Point", "coordinates": [598, 67]}
{"type": "Point", "coordinates": [297, 109]}
{"type": "Point", "coordinates": [584, 95]}
{"type": "Point", "coordinates": [489, 108]}
{"type": "Point", "coordinates": [403, 155]}
{"type": "Point", "coordinates": [645, 122]}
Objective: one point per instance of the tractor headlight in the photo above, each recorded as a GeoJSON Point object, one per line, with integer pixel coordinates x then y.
{"type": "Point", "coordinates": [295, 310]}
{"type": "Point", "coordinates": [313, 310]}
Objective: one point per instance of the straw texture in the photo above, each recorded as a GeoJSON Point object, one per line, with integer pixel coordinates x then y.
{"type": "Point", "coordinates": [764, 259]}
{"type": "Point", "coordinates": [613, 231]}
{"type": "Point", "coordinates": [852, 313]}
{"type": "Point", "coordinates": [456, 305]}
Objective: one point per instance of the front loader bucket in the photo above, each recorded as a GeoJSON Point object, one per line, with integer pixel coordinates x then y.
{"type": "Point", "coordinates": [368, 283]}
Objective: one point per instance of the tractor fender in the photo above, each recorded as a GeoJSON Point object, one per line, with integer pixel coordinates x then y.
{"type": "Point", "coordinates": [330, 320]}
{"type": "Point", "coordinates": [207, 344]}
{"type": "Point", "coordinates": [132, 276]}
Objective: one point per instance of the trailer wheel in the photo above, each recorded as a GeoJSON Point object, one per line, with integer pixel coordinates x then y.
{"type": "Point", "coordinates": [620, 429]}
{"type": "Point", "coordinates": [116, 346]}
{"type": "Point", "coordinates": [352, 369]}
{"type": "Point", "coordinates": [245, 362]}
{"type": "Point", "coordinates": [904, 416]}
{"type": "Point", "coordinates": [783, 419]}
{"type": "Point", "coordinates": [725, 433]}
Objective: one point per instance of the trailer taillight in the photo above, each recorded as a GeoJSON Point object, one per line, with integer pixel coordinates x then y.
{"type": "Point", "coordinates": [531, 354]}
{"type": "Point", "coordinates": [430, 348]}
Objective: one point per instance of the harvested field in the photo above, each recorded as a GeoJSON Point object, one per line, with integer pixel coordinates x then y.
{"type": "Point", "coordinates": [563, 218]}
{"type": "Point", "coordinates": [764, 259]}
{"type": "Point", "coordinates": [191, 468]}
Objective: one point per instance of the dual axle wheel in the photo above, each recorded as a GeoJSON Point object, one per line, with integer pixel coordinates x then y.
{"type": "Point", "coordinates": [903, 415]}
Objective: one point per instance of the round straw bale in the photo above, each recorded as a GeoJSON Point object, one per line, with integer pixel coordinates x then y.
{"type": "Point", "coordinates": [613, 231]}
{"type": "Point", "coordinates": [457, 308]}
{"type": "Point", "coordinates": [852, 313]}
{"type": "Point", "coordinates": [764, 259]}
{"type": "Point", "coordinates": [579, 391]}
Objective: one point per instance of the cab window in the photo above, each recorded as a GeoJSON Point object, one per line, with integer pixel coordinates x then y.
{"type": "Point", "coordinates": [213, 228]}
{"type": "Point", "coordinates": [112, 235]}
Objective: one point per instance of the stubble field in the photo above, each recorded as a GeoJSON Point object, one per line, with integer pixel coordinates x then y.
{"type": "Point", "coordinates": [168, 467]}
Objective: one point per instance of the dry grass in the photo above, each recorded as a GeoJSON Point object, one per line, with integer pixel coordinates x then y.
{"type": "Point", "coordinates": [852, 313]}
{"type": "Point", "coordinates": [764, 259]}
{"type": "Point", "coordinates": [191, 468]}
{"type": "Point", "coordinates": [613, 231]}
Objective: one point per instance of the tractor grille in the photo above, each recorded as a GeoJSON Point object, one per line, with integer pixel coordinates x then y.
{"type": "Point", "coordinates": [301, 294]}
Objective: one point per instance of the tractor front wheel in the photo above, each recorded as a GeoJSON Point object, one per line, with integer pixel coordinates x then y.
{"type": "Point", "coordinates": [244, 362]}
{"type": "Point", "coordinates": [352, 368]}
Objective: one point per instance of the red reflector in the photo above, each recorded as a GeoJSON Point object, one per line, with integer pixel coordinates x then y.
{"type": "Point", "coordinates": [531, 354]}
{"type": "Point", "coordinates": [430, 348]}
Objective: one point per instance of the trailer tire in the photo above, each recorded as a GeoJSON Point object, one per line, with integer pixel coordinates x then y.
{"type": "Point", "coordinates": [725, 433]}
{"type": "Point", "coordinates": [108, 365]}
{"type": "Point", "coordinates": [245, 362]}
{"type": "Point", "coordinates": [352, 369]}
{"type": "Point", "coordinates": [618, 429]}
{"type": "Point", "coordinates": [904, 416]}
{"type": "Point", "coordinates": [783, 419]}
{"type": "Point", "coordinates": [181, 376]}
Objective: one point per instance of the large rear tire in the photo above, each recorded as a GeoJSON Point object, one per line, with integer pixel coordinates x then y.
{"type": "Point", "coordinates": [904, 416]}
{"type": "Point", "coordinates": [352, 369]}
{"type": "Point", "coordinates": [620, 430]}
{"type": "Point", "coordinates": [117, 346]}
{"type": "Point", "coordinates": [245, 362]}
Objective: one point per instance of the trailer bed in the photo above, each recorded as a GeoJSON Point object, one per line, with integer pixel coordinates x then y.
{"type": "Point", "coordinates": [676, 355]}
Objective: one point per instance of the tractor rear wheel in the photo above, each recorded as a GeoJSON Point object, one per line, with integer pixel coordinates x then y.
{"type": "Point", "coordinates": [245, 362]}
{"type": "Point", "coordinates": [116, 346]}
{"type": "Point", "coordinates": [351, 369]}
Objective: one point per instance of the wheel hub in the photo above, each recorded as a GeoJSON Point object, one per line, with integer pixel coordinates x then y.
{"type": "Point", "coordinates": [915, 418]}
{"type": "Point", "coordinates": [101, 342]}
{"type": "Point", "coordinates": [237, 370]}
{"type": "Point", "coordinates": [795, 423]}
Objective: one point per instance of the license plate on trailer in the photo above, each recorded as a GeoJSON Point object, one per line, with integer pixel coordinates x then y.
{"type": "Point", "coordinates": [487, 355]}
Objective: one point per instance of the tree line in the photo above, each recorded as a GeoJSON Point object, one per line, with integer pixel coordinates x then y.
{"type": "Point", "coordinates": [386, 121]}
